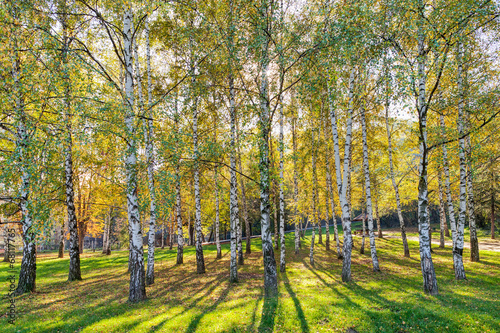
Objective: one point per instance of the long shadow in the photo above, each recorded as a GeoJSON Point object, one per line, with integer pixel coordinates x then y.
{"type": "Point", "coordinates": [194, 323]}
{"type": "Point", "coordinates": [254, 313]}
{"type": "Point", "coordinates": [300, 313]}
{"type": "Point", "coordinates": [268, 314]}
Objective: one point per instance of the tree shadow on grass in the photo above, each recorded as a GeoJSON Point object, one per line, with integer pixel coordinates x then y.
{"type": "Point", "coordinates": [194, 323]}
{"type": "Point", "coordinates": [268, 314]}
{"type": "Point", "coordinates": [300, 312]}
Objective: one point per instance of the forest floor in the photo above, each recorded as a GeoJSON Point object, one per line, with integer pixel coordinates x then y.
{"type": "Point", "coordinates": [311, 299]}
{"type": "Point", "coordinates": [485, 243]}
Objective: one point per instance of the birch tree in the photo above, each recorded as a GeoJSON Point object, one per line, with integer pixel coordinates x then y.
{"type": "Point", "coordinates": [270, 273]}
{"type": "Point", "coordinates": [366, 169]}
{"type": "Point", "coordinates": [330, 196]}
{"type": "Point", "coordinates": [342, 180]}
{"type": "Point", "coordinates": [137, 290]}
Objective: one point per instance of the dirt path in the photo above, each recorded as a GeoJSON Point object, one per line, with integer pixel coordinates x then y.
{"type": "Point", "coordinates": [487, 245]}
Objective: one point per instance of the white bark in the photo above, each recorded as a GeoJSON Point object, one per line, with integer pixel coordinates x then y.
{"type": "Point", "coordinates": [330, 196]}
{"type": "Point", "coordinates": [248, 229]}
{"type": "Point", "coordinates": [148, 139]}
{"type": "Point", "coordinates": [233, 276]}
{"type": "Point", "coordinates": [366, 168]}
{"type": "Point", "coordinates": [314, 196]}
{"type": "Point", "coordinates": [343, 180]}
{"type": "Point", "coordinates": [178, 198]}
{"type": "Point", "coordinates": [217, 213]}
{"type": "Point", "coordinates": [282, 193]}
{"type": "Point", "coordinates": [427, 266]}
{"type": "Point", "coordinates": [458, 247]}
{"type": "Point", "coordinates": [137, 289]}
{"type": "Point", "coordinates": [270, 273]}
{"type": "Point", "coordinates": [295, 187]}
{"type": "Point", "coordinates": [446, 169]}
{"type": "Point", "coordinates": [200, 260]}
{"type": "Point", "coordinates": [442, 213]}
{"type": "Point", "coordinates": [394, 183]}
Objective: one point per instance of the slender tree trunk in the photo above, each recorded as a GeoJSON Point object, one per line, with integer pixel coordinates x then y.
{"type": "Point", "coordinates": [74, 251]}
{"type": "Point", "coordinates": [27, 275]}
{"type": "Point", "coordinates": [108, 234]}
{"type": "Point", "coordinates": [295, 186]}
{"type": "Point", "coordinates": [234, 216]}
{"type": "Point", "coordinates": [200, 260]}
{"type": "Point", "coordinates": [217, 215]}
{"type": "Point", "coordinates": [239, 235]}
{"type": "Point", "coordinates": [474, 244]}
{"type": "Point", "coordinates": [394, 183]}
{"type": "Point", "coordinates": [171, 232]}
{"type": "Point", "coordinates": [363, 225]}
{"type": "Point", "coordinates": [104, 235]}
{"type": "Point", "coordinates": [314, 197]}
{"type": "Point", "coordinates": [442, 214]}
{"type": "Point", "coordinates": [6, 243]}
{"type": "Point", "coordinates": [248, 229]}
{"type": "Point", "coordinates": [493, 217]}
{"type": "Point", "coordinates": [330, 196]}
{"type": "Point", "coordinates": [427, 266]}
{"type": "Point", "coordinates": [343, 180]}
{"type": "Point", "coordinates": [446, 169]}
{"type": "Point", "coordinates": [137, 290]}
{"type": "Point", "coordinates": [458, 247]}
{"type": "Point", "coordinates": [281, 147]}
{"type": "Point", "coordinates": [148, 139]}
{"type": "Point", "coordinates": [178, 198]}
{"type": "Point", "coordinates": [377, 216]}
{"type": "Point", "coordinates": [61, 241]}
{"type": "Point", "coordinates": [366, 168]}
{"type": "Point", "coordinates": [163, 237]}
{"type": "Point", "coordinates": [270, 272]}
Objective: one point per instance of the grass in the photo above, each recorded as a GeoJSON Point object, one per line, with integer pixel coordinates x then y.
{"type": "Point", "coordinates": [311, 299]}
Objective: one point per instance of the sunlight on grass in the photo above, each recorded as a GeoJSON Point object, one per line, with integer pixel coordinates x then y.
{"type": "Point", "coordinates": [311, 299]}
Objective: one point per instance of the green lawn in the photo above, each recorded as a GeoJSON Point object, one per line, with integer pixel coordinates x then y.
{"type": "Point", "coordinates": [311, 299]}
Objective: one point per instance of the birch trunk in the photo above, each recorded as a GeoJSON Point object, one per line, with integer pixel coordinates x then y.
{"type": "Point", "coordinates": [148, 139]}
{"type": "Point", "coordinates": [27, 275]}
{"type": "Point", "coordinates": [394, 183]}
{"type": "Point", "coordinates": [343, 180]}
{"type": "Point", "coordinates": [379, 227]}
{"type": "Point", "coordinates": [74, 253]}
{"type": "Point", "coordinates": [200, 260]}
{"type": "Point", "coordinates": [428, 272]}
{"type": "Point", "coordinates": [236, 246]}
{"type": "Point", "coordinates": [493, 217]}
{"type": "Point", "coordinates": [442, 213]}
{"type": "Point", "coordinates": [137, 289]}
{"type": "Point", "coordinates": [446, 169]}
{"type": "Point", "coordinates": [330, 196]}
{"type": "Point", "coordinates": [61, 242]}
{"type": "Point", "coordinates": [295, 187]}
{"type": "Point", "coordinates": [363, 224]}
{"type": "Point", "coordinates": [248, 229]}
{"type": "Point", "coordinates": [6, 243]}
{"type": "Point", "coordinates": [270, 273]}
{"type": "Point", "coordinates": [108, 234]}
{"type": "Point", "coordinates": [474, 244]}
{"type": "Point", "coordinates": [458, 247]}
{"type": "Point", "coordinates": [314, 197]}
{"type": "Point", "coordinates": [281, 145]}
{"type": "Point", "coordinates": [233, 273]}
{"type": "Point", "coordinates": [366, 168]}
{"type": "Point", "coordinates": [178, 198]}
{"type": "Point", "coordinates": [217, 215]}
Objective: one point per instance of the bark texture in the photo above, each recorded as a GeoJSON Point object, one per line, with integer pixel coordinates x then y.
{"type": "Point", "coordinates": [137, 288]}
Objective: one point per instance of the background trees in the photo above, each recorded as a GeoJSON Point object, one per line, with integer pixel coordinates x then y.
{"type": "Point", "coordinates": [177, 106]}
